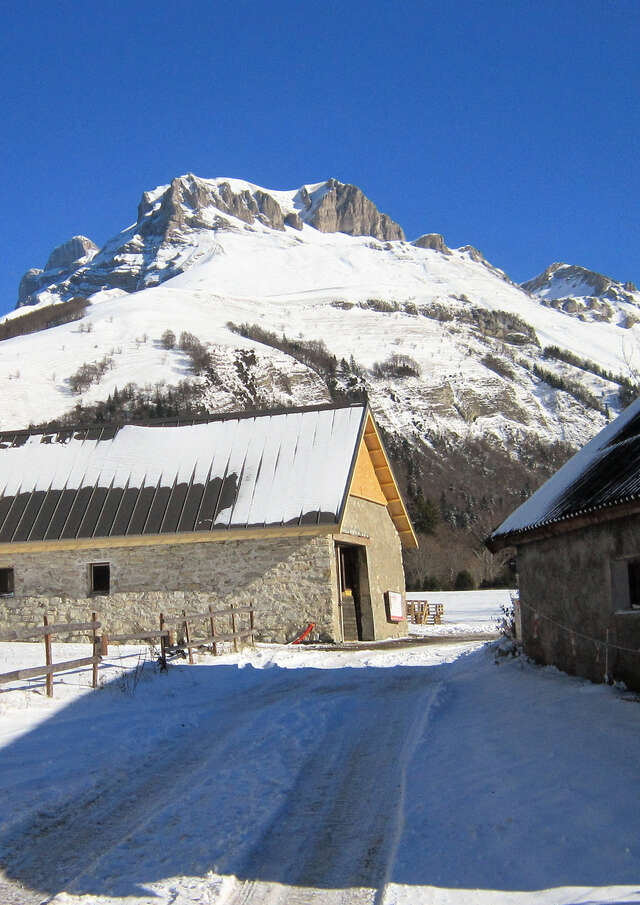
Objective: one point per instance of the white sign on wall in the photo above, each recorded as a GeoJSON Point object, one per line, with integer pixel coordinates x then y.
{"type": "Point", "coordinates": [394, 602]}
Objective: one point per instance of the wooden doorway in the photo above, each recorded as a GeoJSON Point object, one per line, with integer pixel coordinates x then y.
{"type": "Point", "coordinates": [349, 564]}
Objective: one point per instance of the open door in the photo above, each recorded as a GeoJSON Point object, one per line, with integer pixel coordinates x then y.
{"type": "Point", "coordinates": [349, 586]}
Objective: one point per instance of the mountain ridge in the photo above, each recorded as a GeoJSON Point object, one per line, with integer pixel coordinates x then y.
{"type": "Point", "coordinates": [190, 202]}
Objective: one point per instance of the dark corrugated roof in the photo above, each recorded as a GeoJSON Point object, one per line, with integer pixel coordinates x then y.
{"type": "Point", "coordinates": [613, 478]}
{"type": "Point", "coordinates": [289, 468]}
{"type": "Point", "coordinates": [604, 474]}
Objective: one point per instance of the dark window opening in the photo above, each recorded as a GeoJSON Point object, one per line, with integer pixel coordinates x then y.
{"type": "Point", "coordinates": [634, 584]}
{"type": "Point", "coordinates": [6, 582]}
{"type": "Point", "coordinates": [100, 577]}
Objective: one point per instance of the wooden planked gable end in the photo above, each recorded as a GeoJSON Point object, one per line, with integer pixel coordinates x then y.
{"type": "Point", "coordinates": [372, 479]}
{"type": "Point", "coordinates": [365, 483]}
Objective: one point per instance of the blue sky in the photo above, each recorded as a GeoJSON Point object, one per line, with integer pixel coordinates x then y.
{"type": "Point", "coordinates": [512, 126]}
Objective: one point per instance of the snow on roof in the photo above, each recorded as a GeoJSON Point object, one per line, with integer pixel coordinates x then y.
{"type": "Point", "coordinates": [602, 474]}
{"type": "Point", "coordinates": [289, 468]}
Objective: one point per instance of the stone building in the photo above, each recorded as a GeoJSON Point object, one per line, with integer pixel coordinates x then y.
{"type": "Point", "coordinates": [297, 512]}
{"type": "Point", "coordinates": [578, 556]}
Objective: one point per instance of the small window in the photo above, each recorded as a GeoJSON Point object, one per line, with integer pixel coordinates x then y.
{"type": "Point", "coordinates": [634, 584]}
{"type": "Point", "coordinates": [6, 582]}
{"type": "Point", "coordinates": [100, 577]}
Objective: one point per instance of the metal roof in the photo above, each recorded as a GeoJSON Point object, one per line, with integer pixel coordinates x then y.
{"type": "Point", "coordinates": [271, 469]}
{"type": "Point", "coordinates": [603, 474]}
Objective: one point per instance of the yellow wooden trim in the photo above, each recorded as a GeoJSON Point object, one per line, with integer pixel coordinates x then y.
{"type": "Point", "coordinates": [154, 540]}
{"type": "Point", "coordinates": [386, 483]}
{"type": "Point", "coordinates": [378, 458]}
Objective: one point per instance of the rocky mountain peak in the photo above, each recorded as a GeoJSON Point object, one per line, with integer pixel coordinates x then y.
{"type": "Point", "coordinates": [197, 203]}
{"type": "Point", "coordinates": [585, 294]}
{"type": "Point", "coordinates": [562, 280]}
{"type": "Point", "coordinates": [154, 249]}
{"type": "Point", "coordinates": [346, 209]}
{"type": "Point", "coordinates": [434, 241]}
{"type": "Point", "coordinates": [69, 256]}
{"type": "Point", "coordinates": [75, 249]}
{"type": "Point", "coordinates": [331, 206]}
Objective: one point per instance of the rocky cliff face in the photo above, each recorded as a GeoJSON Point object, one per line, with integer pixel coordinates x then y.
{"type": "Point", "coordinates": [345, 209]}
{"type": "Point", "coordinates": [434, 241]}
{"type": "Point", "coordinates": [69, 256]}
{"type": "Point", "coordinates": [189, 202]}
{"type": "Point", "coordinates": [77, 249]}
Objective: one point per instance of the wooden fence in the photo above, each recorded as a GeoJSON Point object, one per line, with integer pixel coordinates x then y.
{"type": "Point", "coordinates": [25, 633]}
{"type": "Point", "coordinates": [209, 628]}
{"type": "Point", "coordinates": [421, 612]}
{"type": "Point", "coordinates": [180, 626]}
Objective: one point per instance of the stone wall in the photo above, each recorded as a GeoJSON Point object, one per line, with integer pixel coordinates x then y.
{"type": "Point", "coordinates": [291, 577]}
{"type": "Point", "coordinates": [574, 585]}
{"type": "Point", "coordinates": [384, 561]}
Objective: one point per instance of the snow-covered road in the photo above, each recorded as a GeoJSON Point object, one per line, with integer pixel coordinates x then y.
{"type": "Point", "coordinates": [420, 775]}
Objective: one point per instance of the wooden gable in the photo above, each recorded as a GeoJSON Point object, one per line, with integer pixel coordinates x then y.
{"type": "Point", "coordinates": [373, 480]}
{"type": "Point", "coordinates": [365, 483]}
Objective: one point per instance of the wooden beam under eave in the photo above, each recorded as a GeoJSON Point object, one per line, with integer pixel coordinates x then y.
{"type": "Point", "coordinates": [156, 540]}
{"type": "Point", "coordinates": [388, 484]}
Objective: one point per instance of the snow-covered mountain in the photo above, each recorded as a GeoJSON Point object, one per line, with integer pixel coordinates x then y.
{"type": "Point", "coordinates": [294, 297]}
{"type": "Point", "coordinates": [586, 294]}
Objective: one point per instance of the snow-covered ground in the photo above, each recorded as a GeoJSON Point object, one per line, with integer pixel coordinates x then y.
{"type": "Point", "coordinates": [465, 612]}
{"type": "Point", "coordinates": [428, 774]}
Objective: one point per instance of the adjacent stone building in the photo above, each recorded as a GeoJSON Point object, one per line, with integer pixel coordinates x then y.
{"type": "Point", "coordinates": [578, 554]}
{"type": "Point", "coordinates": [297, 512]}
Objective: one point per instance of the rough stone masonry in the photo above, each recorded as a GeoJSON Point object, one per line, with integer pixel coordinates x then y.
{"type": "Point", "coordinates": [289, 578]}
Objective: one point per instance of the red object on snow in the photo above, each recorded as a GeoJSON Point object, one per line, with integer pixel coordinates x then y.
{"type": "Point", "coordinates": [305, 633]}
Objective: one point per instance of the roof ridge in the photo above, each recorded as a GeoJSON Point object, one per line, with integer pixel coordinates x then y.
{"type": "Point", "coordinates": [179, 422]}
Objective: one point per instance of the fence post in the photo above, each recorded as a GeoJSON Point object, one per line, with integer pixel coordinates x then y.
{"type": "Point", "coordinates": [233, 630]}
{"type": "Point", "coordinates": [94, 671]}
{"type": "Point", "coordinates": [163, 644]}
{"type": "Point", "coordinates": [49, 661]}
{"type": "Point", "coordinates": [104, 644]}
{"type": "Point", "coordinates": [252, 626]}
{"type": "Point", "coordinates": [213, 631]}
{"type": "Point", "coordinates": [187, 635]}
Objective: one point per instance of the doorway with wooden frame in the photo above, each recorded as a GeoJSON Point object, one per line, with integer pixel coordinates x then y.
{"type": "Point", "coordinates": [353, 590]}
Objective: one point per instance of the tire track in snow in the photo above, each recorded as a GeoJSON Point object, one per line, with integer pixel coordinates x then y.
{"type": "Point", "coordinates": [335, 840]}
{"type": "Point", "coordinates": [57, 851]}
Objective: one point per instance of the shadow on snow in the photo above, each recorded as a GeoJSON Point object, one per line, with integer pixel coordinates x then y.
{"type": "Point", "coordinates": [274, 775]}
